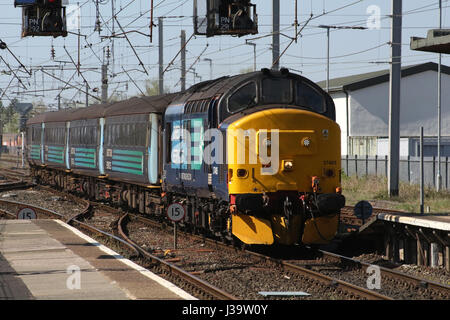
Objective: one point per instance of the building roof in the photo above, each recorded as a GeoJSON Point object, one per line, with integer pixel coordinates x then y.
{"type": "Point", "coordinates": [360, 81]}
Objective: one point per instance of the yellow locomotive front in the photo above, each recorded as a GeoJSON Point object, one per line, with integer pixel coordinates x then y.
{"type": "Point", "coordinates": [284, 177]}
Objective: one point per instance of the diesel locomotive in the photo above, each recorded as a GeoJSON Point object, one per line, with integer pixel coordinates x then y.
{"type": "Point", "coordinates": [254, 157]}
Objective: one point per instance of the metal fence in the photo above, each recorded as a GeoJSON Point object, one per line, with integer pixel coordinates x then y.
{"type": "Point", "coordinates": [409, 168]}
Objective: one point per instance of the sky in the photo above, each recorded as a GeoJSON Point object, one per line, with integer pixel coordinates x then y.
{"type": "Point", "coordinates": [351, 51]}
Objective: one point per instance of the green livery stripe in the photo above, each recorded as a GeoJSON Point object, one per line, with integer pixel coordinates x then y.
{"type": "Point", "coordinates": [55, 152]}
{"type": "Point", "coordinates": [85, 150]}
{"type": "Point", "coordinates": [125, 170]}
{"type": "Point", "coordinates": [127, 164]}
{"type": "Point", "coordinates": [85, 155]}
{"type": "Point", "coordinates": [55, 148]}
{"type": "Point", "coordinates": [84, 160]}
{"type": "Point", "coordinates": [35, 152]}
{"type": "Point", "coordinates": [133, 159]}
{"type": "Point", "coordinates": [55, 156]}
{"type": "Point", "coordinates": [79, 164]}
{"type": "Point", "coordinates": [196, 122]}
{"type": "Point", "coordinates": [196, 152]}
{"type": "Point", "coordinates": [128, 152]}
{"type": "Point", "coordinates": [55, 160]}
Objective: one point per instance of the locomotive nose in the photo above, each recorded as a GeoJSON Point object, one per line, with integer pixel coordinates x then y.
{"type": "Point", "coordinates": [280, 151]}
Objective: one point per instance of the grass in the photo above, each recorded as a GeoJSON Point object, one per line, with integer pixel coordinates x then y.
{"type": "Point", "coordinates": [374, 190]}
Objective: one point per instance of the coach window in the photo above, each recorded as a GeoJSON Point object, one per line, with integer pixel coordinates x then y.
{"type": "Point", "coordinates": [243, 98]}
{"type": "Point", "coordinates": [309, 97]}
{"type": "Point", "coordinates": [276, 90]}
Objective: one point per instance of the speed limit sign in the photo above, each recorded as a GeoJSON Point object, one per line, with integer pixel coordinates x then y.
{"type": "Point", "coordinates": [176, 212]}
{"type": "Point", "coordinates": [26, 214]}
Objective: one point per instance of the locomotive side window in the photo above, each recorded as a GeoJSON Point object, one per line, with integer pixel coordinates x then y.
{"type": "Point", "coordinates": [309, 97]}
{"type": "Point", "coordinates": [276, 90]}
{"type": "Point", "coordinates": [243, 98]}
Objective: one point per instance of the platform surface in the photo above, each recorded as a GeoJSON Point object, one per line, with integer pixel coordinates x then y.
{"type": "Point", "coordinates": [47, 259]}
{"type": "Point", "coordinates": [432, 221]}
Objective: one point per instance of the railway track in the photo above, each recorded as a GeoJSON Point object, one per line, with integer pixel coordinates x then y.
{"type": "Point", "coordinates": [217, 257]}
{"type": "Point", "coordinates": [169, 264]}
{"type": "Point", "coordinates": [396, 284]}
{"type": "Point", "coordinates": [12, 180]}
{"type": "Point", "coordinates": [201, 288]}
{"type": "Point", "coordinates": [392, 283]}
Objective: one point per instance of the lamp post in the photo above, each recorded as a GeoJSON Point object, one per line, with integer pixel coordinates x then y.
{"type": "Point", "coordinates": [439, 177]}
{"type": "Point", "coordinates": [210, 68]}
{"type": "Point", "coordinates": [254, 52]}
{"type": "Point", "coordinates": [328, 46]}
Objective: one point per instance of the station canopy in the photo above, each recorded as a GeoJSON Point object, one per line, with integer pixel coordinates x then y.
{"type": "Point", "coordinates": [437, 40]}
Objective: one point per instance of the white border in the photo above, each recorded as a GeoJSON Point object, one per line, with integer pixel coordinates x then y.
{"type": "Point", "coordinates": [415, 221]}
{"type": "Point", "coordinates": [170, 286]}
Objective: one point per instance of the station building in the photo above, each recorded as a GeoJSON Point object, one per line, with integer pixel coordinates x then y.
{"type": "Point", "coordinates": [362, 111]}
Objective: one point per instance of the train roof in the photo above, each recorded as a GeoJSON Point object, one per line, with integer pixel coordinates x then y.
{"type": "Point", "coordinates": [211, 88]}
{"type": "Point", "coordinates": [136, 105]}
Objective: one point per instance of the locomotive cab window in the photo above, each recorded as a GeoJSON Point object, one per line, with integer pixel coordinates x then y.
{"type": "Point", "coordinates": [276, 90]}
{"type": "Point", "coordinates": [243, 98]}
{"type": "Point", "coordinates": [310, 98]}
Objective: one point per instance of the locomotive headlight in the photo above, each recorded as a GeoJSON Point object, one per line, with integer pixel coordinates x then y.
{"type": "Point", "coordinates": [267, 143]}
{"type": "Point", "coordinates": [288, 165]}
{"type": "Point", "coordinates": [306, 142]}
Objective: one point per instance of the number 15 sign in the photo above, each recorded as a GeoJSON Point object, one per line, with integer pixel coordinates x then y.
{"type": "Point", "coordinates": [176, 212]}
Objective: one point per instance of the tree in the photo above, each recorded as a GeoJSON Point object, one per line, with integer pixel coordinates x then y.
{"type": "Point", "coordinates": [10, 118]}
{"type": "Point", "coordinates": [152, 88]}
{"type": "Point", "coordinates": [246, 70]}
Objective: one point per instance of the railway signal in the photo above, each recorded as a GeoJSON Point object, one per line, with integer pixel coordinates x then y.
{"type": "Point", "coordinates": [43, 18]}
{"type": "Point", "coordinates": [225, 17]}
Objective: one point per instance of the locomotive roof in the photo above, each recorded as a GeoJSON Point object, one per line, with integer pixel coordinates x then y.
{"type": "Point", "coordinates": [209, 89]}
{"type": "Point", "coordinates": [136, 105]}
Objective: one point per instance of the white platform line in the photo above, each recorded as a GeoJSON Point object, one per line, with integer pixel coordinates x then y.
{"type": "Point", "coordinates": [163, 282]}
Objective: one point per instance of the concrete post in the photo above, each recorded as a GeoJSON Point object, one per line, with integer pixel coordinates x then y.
{"type": "Point", "coordinates": [161, 55]}
{"type": "Point", "coordinates": [394, 98]}
{"type": "Point", "coordinates": [276, 34]}
{"type": "Point", "coordinates": [434, 255]}
{"type": "Point", "coordinates": [395, 249]}
{"type": "Point", "coordinates": [447, 258]}
{"type": "Point", "coordinates": [183, 60]}
{"type": "Point", "coordinates": [420, 254]}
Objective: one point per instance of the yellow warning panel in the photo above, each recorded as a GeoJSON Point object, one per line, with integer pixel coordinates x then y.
{"type": "Point", "coordinates": [286, 234]}
{"type": "Point", "coordinates": [320, 230]}
{"type": "Point", "coordinates": [251, 230]}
